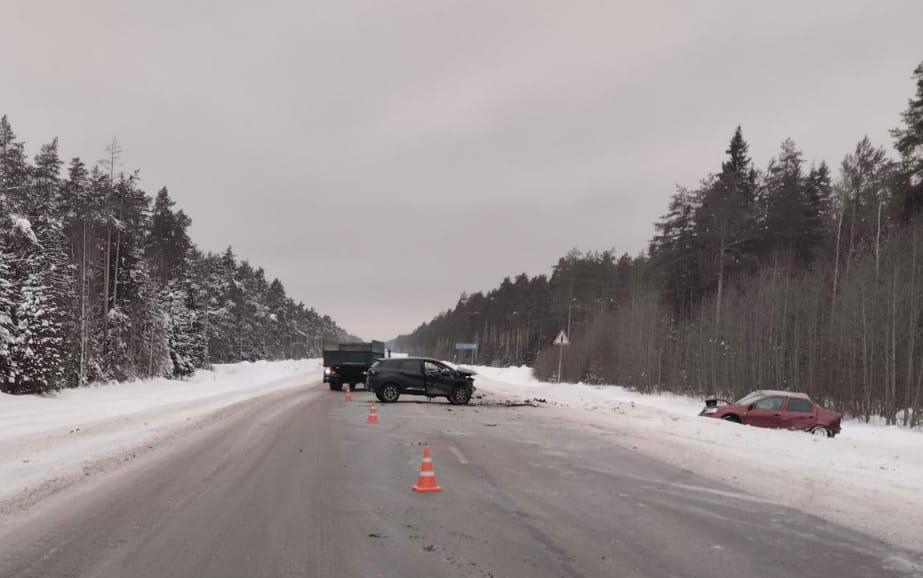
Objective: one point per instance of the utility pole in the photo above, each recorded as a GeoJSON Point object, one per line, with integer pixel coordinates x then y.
{"type": "Point", "coordinates": [561, 341]}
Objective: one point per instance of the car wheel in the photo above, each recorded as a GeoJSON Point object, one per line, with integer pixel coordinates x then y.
{"type": "Point", "coordinates": [821, 431]}
{"type": "Point", "coordinates": [731, 417]}
{"type": "Point", "coordinates": [460, 395]}
{"type": "Point", "coordinates": [335, 386]}
{"type": "Point", "coordinates": [389, 393]}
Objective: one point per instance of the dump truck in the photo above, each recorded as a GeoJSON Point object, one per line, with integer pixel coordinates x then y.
{"type": "Point", "coordinates": [348, 363]}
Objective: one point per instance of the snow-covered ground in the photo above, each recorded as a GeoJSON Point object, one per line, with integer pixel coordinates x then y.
{"type": "Point", "coordinates": [869, 478]}
{"type": "Point", "coordinates": [43, 439]}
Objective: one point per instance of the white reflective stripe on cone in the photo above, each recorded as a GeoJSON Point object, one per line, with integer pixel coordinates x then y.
{"type": "Point", "coordinates": [427, 474]}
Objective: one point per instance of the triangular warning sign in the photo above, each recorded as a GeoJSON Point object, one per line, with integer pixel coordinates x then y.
{"type": "Point", "coordinates": [561, 339]}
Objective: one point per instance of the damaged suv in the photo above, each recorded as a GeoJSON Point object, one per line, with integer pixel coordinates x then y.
{"type": "Point", "coordinates": [390, 378]}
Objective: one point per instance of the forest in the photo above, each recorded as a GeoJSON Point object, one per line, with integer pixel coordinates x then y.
{"type": "Point", "coordinates": [101, 282]}
{"type": "Point", "coordinates": [791, 275]}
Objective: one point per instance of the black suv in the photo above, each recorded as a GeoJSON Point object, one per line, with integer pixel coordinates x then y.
{"type": "Point", "coordinates": [389, 378]}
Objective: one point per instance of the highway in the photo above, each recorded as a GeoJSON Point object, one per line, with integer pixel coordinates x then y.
{"type": "Point", "coordinates": [298, 484]}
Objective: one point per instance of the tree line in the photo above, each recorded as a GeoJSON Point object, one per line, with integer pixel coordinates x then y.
{"type": "Point", "coordinates": [796, 276]}
{"type": "Point", "coordinates": [101, 282]}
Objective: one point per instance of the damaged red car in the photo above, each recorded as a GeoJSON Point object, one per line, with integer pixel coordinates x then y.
{"type": "Point", "coordinates": [776, 409]}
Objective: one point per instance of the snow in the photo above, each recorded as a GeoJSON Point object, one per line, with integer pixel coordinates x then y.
{"type": "Point", "coordinates": [45, 438]}
{"type": "Point", "coordinates": [869, 478]}
{"type": "Point", "coordinates": [24, 227]}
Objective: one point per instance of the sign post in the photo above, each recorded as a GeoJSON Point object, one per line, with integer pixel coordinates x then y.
{"type": "Point", "coordinates": [560, 341]}
{"type": "Point", "coordinates": [468, 346]}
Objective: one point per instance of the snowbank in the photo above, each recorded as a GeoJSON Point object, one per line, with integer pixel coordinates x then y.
{"type": "Point", "coordinates": [46, 438]}
{"type": "Point", "coordinates": [869, 478]}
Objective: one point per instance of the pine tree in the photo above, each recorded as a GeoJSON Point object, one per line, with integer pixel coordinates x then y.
{"type": "Point", "coordinates": [278, 332]}
{"type": "Point", "coordinates": [78, 218]}
{"type": "Point", "coordinates": [726, 219]}
{"type": "Point", "coordinates": [180, 331]}
{"type": "Point", "coordinates": [40, 350]}
{"type": "Point", "coordinates": [7, 313]}
{"type": "Point", "coordinates": [865, 178]}
{"type": "Point", "coordinates": [788, 212]}
{"type": "Point", "coordinates": [168, 244]}
{"type": "Point", "coordinates": [14, 170]}
{"type": "Point", "coordinates": [818, 192]}
{"type": "Point", "coordinates": [674, 250]}
{"type": "Point", "coordinates": [909, 142]}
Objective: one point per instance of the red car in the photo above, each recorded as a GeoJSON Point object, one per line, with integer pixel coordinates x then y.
{"type": "Point", "coordinates": [776, 409]}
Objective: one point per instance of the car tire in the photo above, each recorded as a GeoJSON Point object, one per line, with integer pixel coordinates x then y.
{"type": "Point", "coordinates": [334, 386]}
{"type": "Point", "coordinates": [821, 431]}
{"type": "Point", "coordinates": [459, 395]}
{"type": "Point", "coordinates": [389, 393]}
{"type": "Point", "coordinates": [731, 417]}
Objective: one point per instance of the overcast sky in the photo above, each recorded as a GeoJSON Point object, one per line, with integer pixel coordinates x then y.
{"type": "Point", "coordinates": [381, 157]}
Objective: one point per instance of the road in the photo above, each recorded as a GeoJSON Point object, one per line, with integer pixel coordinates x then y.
{"type": "Point", "coordinates": [297, 484]}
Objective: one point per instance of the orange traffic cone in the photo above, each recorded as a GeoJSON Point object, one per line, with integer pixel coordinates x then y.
{"type": "Point", "coordinates": [426, 482]}
{"type": "Point", "coordinates": [349, 393]}
{"type": "Point", "coordinates": [373, 414]}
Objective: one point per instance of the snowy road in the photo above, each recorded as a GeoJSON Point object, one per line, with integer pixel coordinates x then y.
{"type": "Point", "coordinates": [295, 483]}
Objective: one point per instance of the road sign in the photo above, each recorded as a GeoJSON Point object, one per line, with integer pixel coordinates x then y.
{"type": "Point", "coordinates": [463, 345]}
{"type": "Point", "coordinates": [561, 339]}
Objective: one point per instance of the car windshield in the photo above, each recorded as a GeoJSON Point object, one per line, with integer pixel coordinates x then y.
{"type": "Point", "coordinates": [751, 397]}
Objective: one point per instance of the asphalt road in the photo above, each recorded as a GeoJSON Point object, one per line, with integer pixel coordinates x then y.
{"type": "Point", "coordinates": [297, 484]}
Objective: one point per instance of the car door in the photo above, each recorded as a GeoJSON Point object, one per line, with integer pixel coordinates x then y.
{"type": "Point", "coordinates": [766, 412]}
{"type": "Point", "coordinates": [799, 414]}
{"type": "Point", "coordinates": [438, 380]}
{"type": "Point", "coordinates": [412, 375]}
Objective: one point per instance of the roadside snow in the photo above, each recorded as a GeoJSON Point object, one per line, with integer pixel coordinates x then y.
{"type": "Point", "coordinates": [869, 478]}
{"type": "Point", "coordinates": [53, 437]}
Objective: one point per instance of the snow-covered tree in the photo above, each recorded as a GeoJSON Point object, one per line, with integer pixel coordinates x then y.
{"type": "Point", "coordinates": [181, 332]}
{"type": "Point", "coordinates": [7, 312]}
{"type": "Point", "coordinates": [95, 286]}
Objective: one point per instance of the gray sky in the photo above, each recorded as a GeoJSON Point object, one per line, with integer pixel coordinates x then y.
{"type": "Point", "coordinates": [381, 157]}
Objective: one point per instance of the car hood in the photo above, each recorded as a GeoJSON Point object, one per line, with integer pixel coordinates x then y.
{"type": "Point", "coordinates": [465, 371]}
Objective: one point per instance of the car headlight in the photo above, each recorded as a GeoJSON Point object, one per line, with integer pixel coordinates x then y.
{"type": "Point", "coordinates": [326, 371]}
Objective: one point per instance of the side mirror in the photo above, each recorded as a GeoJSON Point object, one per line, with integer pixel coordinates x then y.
{"type": "Point", "coordinates": [751, 406]}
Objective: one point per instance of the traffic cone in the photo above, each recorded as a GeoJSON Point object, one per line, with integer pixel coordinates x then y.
{"type": "Point", "coordinates": [349, 393]}
{"type": "Point", "coordinates": [373, 414]}
{"type": "Point", "coordinates": [426, 482]}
